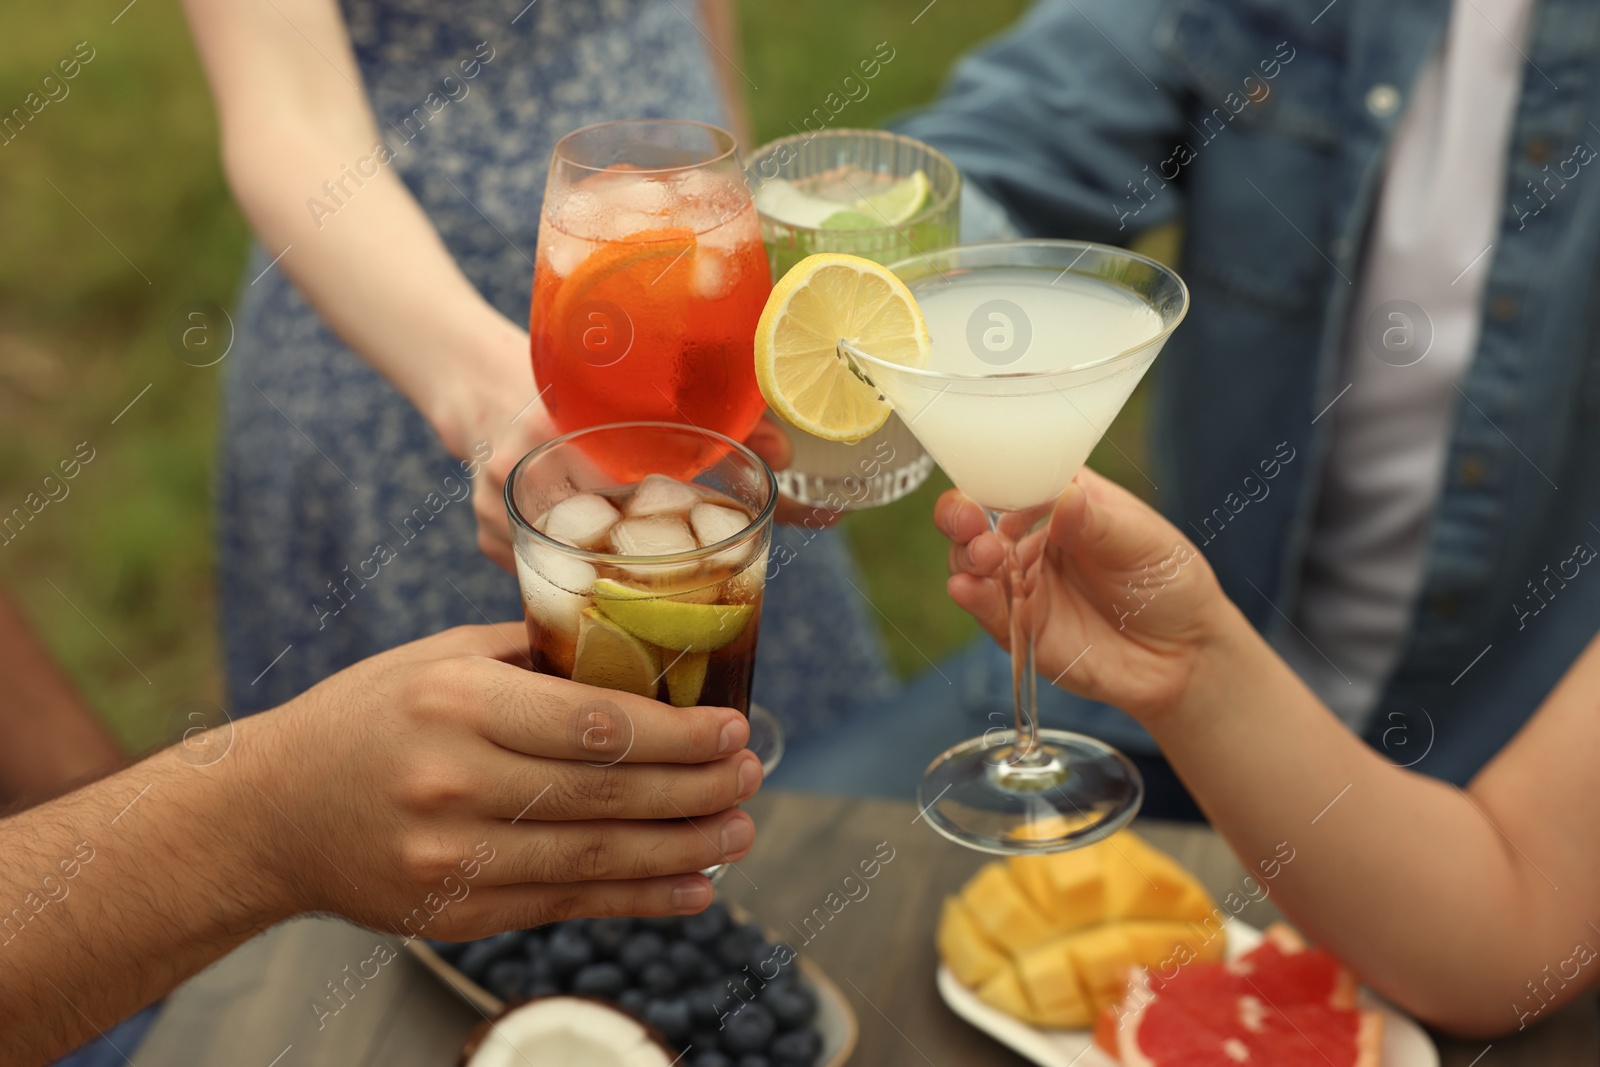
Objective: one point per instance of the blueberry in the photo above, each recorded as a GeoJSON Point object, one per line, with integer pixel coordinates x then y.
{"type": "Point", "coordinates": [753, 1061]}
{"type": "Point", "coordinates": [540, 989]}
{"type": "Point", "coordinates": [668, 926]}
{"type": "Point", "coordinates": [640, 950]}
{"type": "Point", "coordinates": [767, 962]}
{"type": "Point", "coordinates": [506, 978]}
{"type": "Point", "coordinates": [670, 1016]}
{"type": "Point", "coordinates": [708, 925]}
{"type": "Point", "coordinates": [476, 957]}
{"type": "Point", "coordinates": [708, 1003]}
{"type": "Point", "coordinates": [732, 950]}
{"type": "Point", "coordinates": [748, 1030]}
{"type": "Point", "coordinates": [710, 1058]}
{"type": "Point", "coordinates": [659, 979]}
{"type": "Point", "coordinates": [534, 944]}
{"type": "Point", "coordinates": [791, 1005]}
{"type": "Point", "coordinates": [569, 950]}
{"type": "Point", "coordinates": [607, 935]}
{"type": "Point", "coordinates": [600, 980]}
{"type": "Point", "coordinates": [691, 961]}
{"type": "Point", "coordinates": [632, 1001]}
{"type": "Point", "coordinates": [797, 1048]}
{"type": "Point", "coordinates": [542, 970]}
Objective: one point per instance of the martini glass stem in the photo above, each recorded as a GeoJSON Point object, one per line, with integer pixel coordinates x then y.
{"type": "Point", "coordinates": [1020, 605]}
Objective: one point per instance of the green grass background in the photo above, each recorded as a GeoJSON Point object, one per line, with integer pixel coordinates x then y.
{"type": "Point", "coordinates": [113, 214]}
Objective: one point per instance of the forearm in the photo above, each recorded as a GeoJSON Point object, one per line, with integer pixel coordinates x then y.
{"type": "Point", "coordinates": [112, 895]}
{"type": "Point", "coordinates": [48, 738]}
{"type": "Point", "coordinates": [369, 260]}
{"type": "Point", "coordinates": [1402, 876]}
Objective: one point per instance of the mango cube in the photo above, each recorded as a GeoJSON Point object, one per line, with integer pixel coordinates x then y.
{"type": "Point", "coordinates": [1161, 946]}
{"type": "Point", "coordinates": [1004, 993]}
{"type": "Point", "coordinates": [1068, 888]}
{"type": "Point", "coordinates": [965, 948]}
{"type": "Point", "coordinates": [1142, 883]}
{"type": "Point", "coordinates": [1049, 977]}
{"type": "Point", "coordinates": [1000, 908]}
{"type": "Point", "coordinates": [1103, 956]}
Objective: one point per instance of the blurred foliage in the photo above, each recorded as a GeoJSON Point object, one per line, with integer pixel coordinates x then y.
{"type": "Point", "coordinates": [114, 213]}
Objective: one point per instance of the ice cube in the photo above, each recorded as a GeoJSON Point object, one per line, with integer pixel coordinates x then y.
{"type": "Point", "coordinates": [630, 191]}
{"type": "Point", "coordinates": [737, 228]}
{"type": "Point", "coordinates": [582, 521]}
{"type": "Point", "coordinates": [576, 214]}
{"type": "Point", "coordinates": [621, 225]}
{"type": "Point", "coordinates": [713, 523]}
{"type": "Point", "coordinates": [652, 535]}
{"type": "Point", "coordinates": [555, 588]}
{"type": "Point", "coordinates": [562, 251]}
{"type": "Point", "coordinates": [714, 275]}
{"type": "Point", "coordinates": [660, 495]}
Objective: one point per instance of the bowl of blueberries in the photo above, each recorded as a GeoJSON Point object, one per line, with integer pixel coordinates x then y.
{"type": "Point", "coordinates": [711, 990]}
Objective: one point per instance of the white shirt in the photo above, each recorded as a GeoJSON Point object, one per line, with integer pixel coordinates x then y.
{"type": "Point", "coordinates": [1411, 336]}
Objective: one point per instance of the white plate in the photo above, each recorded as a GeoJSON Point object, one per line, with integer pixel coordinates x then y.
{"type": "Point", "coordinates": [1405, 1044]}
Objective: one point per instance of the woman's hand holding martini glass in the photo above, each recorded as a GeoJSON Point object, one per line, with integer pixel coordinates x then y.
{"type": "Point", "coordinates": [1008, 361]}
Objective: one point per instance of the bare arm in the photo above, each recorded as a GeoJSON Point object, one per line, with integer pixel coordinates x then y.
{"type": "Point", "coordinates": [398, 793]}
{"type": "Point", "coordinates": [314, 177]}
{"type": "Point", "coordinates": [1443, 900]}
{"type": "Point", "coordinates": [298, 132]}
{"type": "Point", "coordinates": [49, 739]}
{"type": "Point", "coordinates": [722, 32]}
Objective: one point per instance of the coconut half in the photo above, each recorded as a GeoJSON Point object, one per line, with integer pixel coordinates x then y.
{"type": "Point", "coordinates": [565, 1032]}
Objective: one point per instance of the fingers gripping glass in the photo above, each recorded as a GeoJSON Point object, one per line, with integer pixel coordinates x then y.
{"type": "Point", "coordinates": [642, 553]}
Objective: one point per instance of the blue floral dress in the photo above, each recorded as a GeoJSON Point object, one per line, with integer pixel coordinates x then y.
{"type": "Point", "coordinates": [322, 461]}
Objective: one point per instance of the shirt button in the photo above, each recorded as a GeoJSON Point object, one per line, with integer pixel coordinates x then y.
{"type": "Point", "coordinates": [1473, 471]}
{"type": "Point", "coordinates": [1446, 606]}
{"type": "Point", "coordinates": [1503, 308]}
{"type": "Point", "coordinates": [1383, 100]}
{"type": "Point", "coordinates": [1538, 151]}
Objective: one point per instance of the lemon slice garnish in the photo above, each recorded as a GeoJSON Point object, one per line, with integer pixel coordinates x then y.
{"type": "Point", "coordinates": [803, 374]}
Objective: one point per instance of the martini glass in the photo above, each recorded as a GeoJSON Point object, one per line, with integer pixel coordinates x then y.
{"type": "Point", "coordinates": [1036, 345]}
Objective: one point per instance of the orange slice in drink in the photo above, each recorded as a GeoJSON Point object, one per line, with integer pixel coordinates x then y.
{"type": "Point", "coordinates": [627, 295]}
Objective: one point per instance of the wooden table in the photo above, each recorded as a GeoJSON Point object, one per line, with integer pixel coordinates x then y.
{"type": "Point", "coordinates": [255, 1008]}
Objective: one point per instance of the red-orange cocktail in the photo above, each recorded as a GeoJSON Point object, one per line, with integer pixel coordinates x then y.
{"type": "Point", "coordinates": [650, 277]}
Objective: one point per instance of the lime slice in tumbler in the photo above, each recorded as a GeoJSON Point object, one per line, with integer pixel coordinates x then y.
{"type": "Point", "coordinates": [611, 589]}
{"type": "Point", "coordinates": [900, 203]}
{"type": "Point", "coordinates": [686, 677]}
{"type": "Point", "coordinates": [676, 624]}
{"type": "Point", "coordinates": [612, 658]}
{"type": "Point", "coordinates": [850, 219]}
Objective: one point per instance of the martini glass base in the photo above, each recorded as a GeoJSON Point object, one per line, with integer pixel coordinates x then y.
{"type": "Point", "coordinates": [1074, 792]}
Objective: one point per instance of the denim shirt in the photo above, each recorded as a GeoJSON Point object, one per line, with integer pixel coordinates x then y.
{"type": "Point", "coordinates": [1264, 125]}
